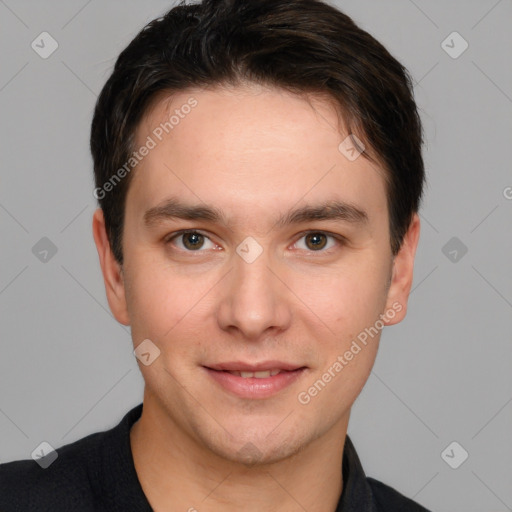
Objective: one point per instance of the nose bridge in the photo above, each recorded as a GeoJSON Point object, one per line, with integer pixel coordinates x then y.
{"type": "Point", "coordinates": [254, 300]}
{"type": "Point", "coordinates": [251, 270]}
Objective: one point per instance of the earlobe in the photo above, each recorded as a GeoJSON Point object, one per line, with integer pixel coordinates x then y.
{"type": "Point", "coordinates": [402, 275]}
{"type": "Point", "coordinates": [111, 270]}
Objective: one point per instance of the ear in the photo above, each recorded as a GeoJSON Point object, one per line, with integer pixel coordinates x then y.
{"type": "Point", "coordinates": [112, 271]}
{"type": "Point", "coordinates": [402, 274]}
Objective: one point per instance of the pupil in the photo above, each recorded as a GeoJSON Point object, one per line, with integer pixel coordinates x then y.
{"type": "Point", "coordinates": [193, 240]}
{"type": "Point", "coordinates": [318, 240]}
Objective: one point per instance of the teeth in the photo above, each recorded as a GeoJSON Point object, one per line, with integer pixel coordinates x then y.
{"type": "Point", "coordinates": [258, 375]}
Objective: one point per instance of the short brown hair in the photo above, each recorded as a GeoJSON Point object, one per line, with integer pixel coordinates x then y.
{"type": "Point", "coordinates": [303, 46]}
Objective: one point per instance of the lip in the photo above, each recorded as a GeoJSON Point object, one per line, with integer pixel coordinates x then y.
{"type": "Point", "coordinates": [252, 387]}
{"type": "Point", "coordinates": [254, 367]}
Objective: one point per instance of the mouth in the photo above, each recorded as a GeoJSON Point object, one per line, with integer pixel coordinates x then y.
{"type": "Point", "coordinates": [264, 374]}
{"type": "Point", "coordinates": [255, 381]}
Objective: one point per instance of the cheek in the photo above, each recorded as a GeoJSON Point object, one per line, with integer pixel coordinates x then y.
{"type": "Point", "coordinates": [165, 305]}
{"type": "Point", "coordinates": [155, 302]}
{"type": "Point", "coordinates": [346, 299]}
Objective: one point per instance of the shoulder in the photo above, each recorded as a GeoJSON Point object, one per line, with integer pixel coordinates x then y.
{"type": "Point", "coordinates": [67, 483]}
{"type": "Point", "coordinates": [390, 500]}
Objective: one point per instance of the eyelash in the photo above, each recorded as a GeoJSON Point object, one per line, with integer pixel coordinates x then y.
{"type": "Point", "coordinates": [338, 238]}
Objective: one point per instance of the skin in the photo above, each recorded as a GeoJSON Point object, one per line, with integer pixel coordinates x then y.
{"type": "Point", "coordinates": [254, 153]}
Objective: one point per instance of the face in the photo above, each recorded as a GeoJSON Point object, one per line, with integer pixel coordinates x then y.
{"type": "Point", "coordinates": [285, 266]}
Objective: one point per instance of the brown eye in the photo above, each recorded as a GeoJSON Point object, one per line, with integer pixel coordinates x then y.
{"type": "Point", "coordinates": [316, 241]}
{"type": "Point", "coordinates": [192, 241]}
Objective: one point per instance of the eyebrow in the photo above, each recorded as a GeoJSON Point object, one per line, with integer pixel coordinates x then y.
{"type": "Point", "coordinates": [331, 210]}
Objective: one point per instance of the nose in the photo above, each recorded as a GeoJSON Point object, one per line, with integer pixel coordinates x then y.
{"type": "Point", "coordinates": [255, 301]}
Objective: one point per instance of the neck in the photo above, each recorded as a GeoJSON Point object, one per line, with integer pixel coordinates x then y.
{"type": "Point", "coordinates": [178, 474]}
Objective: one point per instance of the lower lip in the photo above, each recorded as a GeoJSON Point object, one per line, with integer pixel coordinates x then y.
{"type": "Point", "coordinates": [251, 387]}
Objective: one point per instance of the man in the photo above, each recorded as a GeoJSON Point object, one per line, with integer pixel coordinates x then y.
{"type": "Point", "coordinates": [258, 168]}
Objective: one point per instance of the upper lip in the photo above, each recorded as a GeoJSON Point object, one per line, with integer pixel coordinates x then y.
{"type": "Point", "coordinates": [254, 367]}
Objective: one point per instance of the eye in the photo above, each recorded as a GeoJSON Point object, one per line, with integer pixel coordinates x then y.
{"type": "Point", "coordinates": [191, 241]}
{"type": "Point", "coordinates": [317, 241]}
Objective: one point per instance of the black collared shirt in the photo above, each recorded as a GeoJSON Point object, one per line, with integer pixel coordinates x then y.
{"type": "Point", "coordinates": [97, 474]}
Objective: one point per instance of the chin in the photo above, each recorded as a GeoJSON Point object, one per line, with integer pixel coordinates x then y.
{"type": "Point", "coordinates": [256, 446]}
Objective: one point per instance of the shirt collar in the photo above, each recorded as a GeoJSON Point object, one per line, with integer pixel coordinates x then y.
{"type": "Point", "coordinates": [122, 490]}
{"type": "Point", "coordinates": [356, 495]}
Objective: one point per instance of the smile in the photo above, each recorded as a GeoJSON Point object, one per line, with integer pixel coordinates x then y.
{"type": "Point", "coordinates": [257, 375]}
{"type": "Point", "coordinates": [254, 381]}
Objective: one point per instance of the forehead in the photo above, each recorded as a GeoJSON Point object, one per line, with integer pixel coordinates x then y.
{"type": "Point", "coordinates": [249, 149]}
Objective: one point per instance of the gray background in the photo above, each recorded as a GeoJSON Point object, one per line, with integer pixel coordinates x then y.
{"type": "Point", "coordinates": [443, 375]}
